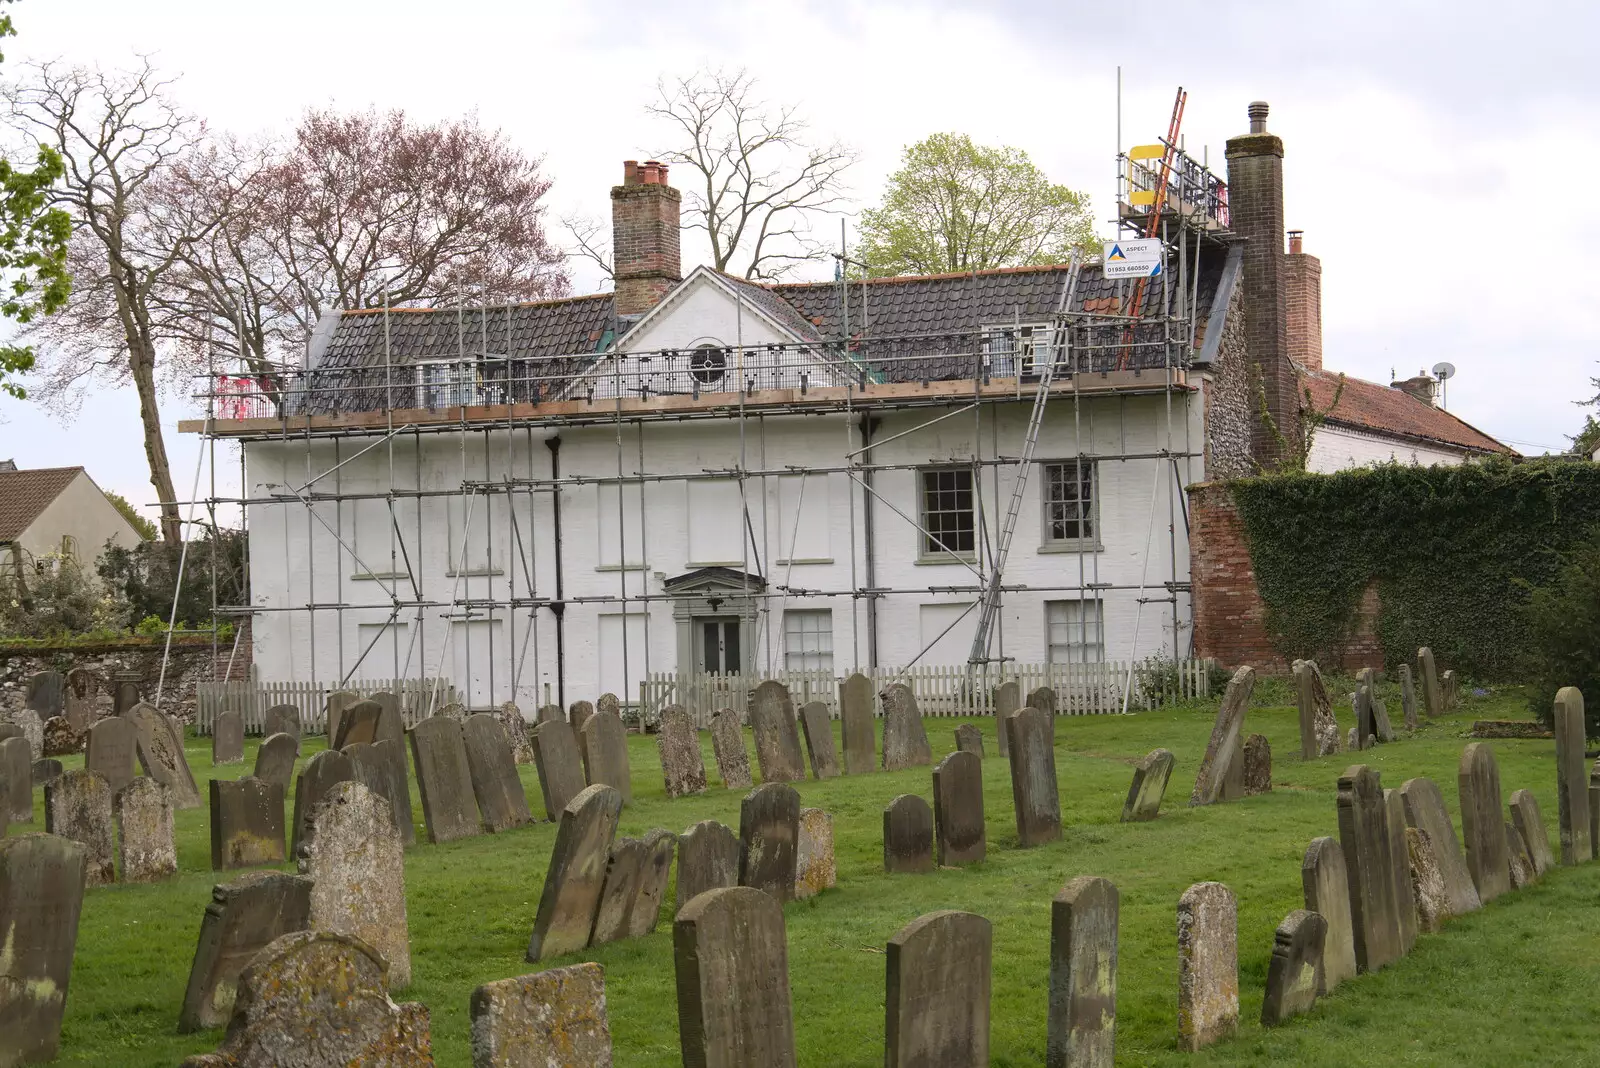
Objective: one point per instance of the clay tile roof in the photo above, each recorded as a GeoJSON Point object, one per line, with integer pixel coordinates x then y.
{"type": "Point", "coordinates": [25, 494]}
{"type": "Point", "coordinates": [1382, 409]}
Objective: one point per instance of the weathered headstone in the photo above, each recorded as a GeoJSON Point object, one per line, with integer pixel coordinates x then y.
{"type": "Point", "coordinates": [359, 723]}
{"type": "Point", "coordinates": [58, 738]}
{"type": "Point", "coordinates": [969, 739]}
{"type": "Point", "coordinates": [815, 867]}
{"type": "Point", "coordinates": [46, 771]}
{"type": "Point", "coordinates": [578, 714]}
{"type": "Point", "coordinates": [1227, 739]}
{"type": "Point", "coordinates": [125, 691]}
{"type": "Point", "coordinates": [1427, 884]}
{"type": "Point", "coordinates": [246, 824]}
{"type": "Point", "coordinates": [455, 710]}
{"type": "Point", "coordinates": [276, 758]}
{"type": "Point", "coordinates": [495, 783]}
{"type": "Point", "coordinates": [727, 744]}
{"type": "Point", "coordinates": [908, 835]}
{"type": "Point", "coordinates": [548, 713]}
{"type": "Point", "coordinates": [27, 722]}
{"type": "Point", "coordinates": [1405, 902]}
{"type": "Point", "coordinates": [960, 833]}
{"type": "Point", "coordinates": [1044, 699]}
{"type": "Point", "coordinates": [82, 696]}
{"type": "Point", "coordinates": [708, 859]}
{"type": "Point", "coordinates": [1594, 804]}
{"type": "Point", "coordinates": [1007, 699]}
{"type": "Point", "coordinates": [146, 847]}
{"type": "Point", "coordinates": [937, 992]}
{"type": "Point", "coordinates": [389, 705]}
{"type": "Point", "coordinates": [46, 694]}
{"type": "Point", "coordinates": [1377, 721]}
{"type": "Point", "coordinates": [1482, 825]}
{"type": "Point", "coordinates": [320, 998]}
{"type": "Point", "coordinates": [1149, 786]}
{"type": "Point", "coordinates": [1432, 699]}
{"type": "Point", "coordinates": [227, 739]}
{"type": "Point", "coordinates": [517, 731]}
{"type": "Point", "coordinates": [1294, 975]}
{"type": "Point", "coordinates": [654, 871]}
{"type": "Point", "coordinates": [243, 918]}
{"type": "Point", "coordinates": [110, 751]}
{"type": "Point", "coordinates": [1572, 785]}
{"type": "Point", "coordinates": [608, 702]}
{"type": "Point", "coordinates": [1520, 860]}
{"type": "Point", "coordinates": [1208, 965]}
{"type": "Point", "coordinates": [683, 768]}
{"type": "Point", "coordinates": [159, 743]}
{"type": "Point", "coordinates": [577, 873]}
{"type": "Point", "coordinates": [319, 775]}
{"type": "Point", "coordinates": [334, 708]}
{"type": "Point", "coordinates": [16, 780]}
{"type": "Point", "coordinates": [284, 719]}
{"type": "Point", "coordinates": [1257, 765]}
{"type": "Point", "coordinates": [617, 891]}
{"type": "Point", "coordinates": [1326, 882]}
{"type": "Point", "coordinates": [357, 867]}
{"type": "Point", "coordinates": [553, 1018]}
{"type": "Point", "coordinates": [777, 736]}
{"type": "Point", "coordinates": [78, 807]}
{"type": "Point", "coordinates": [381, 767]}
{"type": "Point", "coordinates": [1530, 824]}
{"type": "Point", "coordinates": [555, 754]}
{"type": "Point", "coordinates": [1082, 1022]}
{"type": "Point", "coordinates": [1424, 810]}
{"type": "Point", "coordinates": [605, 753]}
{"type": "Point", "coordinates": [1361, 705]}
{"type": "Point", "coordinates": [769, 835]}
{"type": "Point", "coordinates": [905, 739]}
{"type": "Point", "coordinates": [1352, 740]}
{"type": "Point", "coordinates": [732, 965]}
{"type": "Point", "coordinates": [1319, 730]}
{"type": "Point", "coordinates": [1449, 691]}
{"type": "Point", "coordinates": [855, 725]}
{"type": "Point", "coordinates": [1033, 778]}
{"type": "Point", "coordinates": [814, 724]}
{"type": "Point", "coordinates": [1369, 865]}
{"type": "Point", "coordinates": [444, 779]}
{"type": "Point", "coordinates": [1408, 698]}
{"type": "Point", "coordinates": [41, 896]}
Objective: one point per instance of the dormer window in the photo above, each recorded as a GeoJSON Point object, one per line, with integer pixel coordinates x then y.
{"type": "Point", "coordinates": [708, 363]}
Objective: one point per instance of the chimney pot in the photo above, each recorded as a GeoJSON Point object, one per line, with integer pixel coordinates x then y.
{"type": "Point", "coordinates": [630, 172]}
{"type": "Point", "coordinates": [1258, 116]}
{"type": "Point", "coordinates": [1421, 387]}
{"type": "Point", "coordinates": [1296, 242]}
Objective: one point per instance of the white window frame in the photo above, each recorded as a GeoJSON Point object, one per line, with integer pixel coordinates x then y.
{"type": "Point", "coordinates": [1077, 632]}
{"type": "Point", "coordinates": [815, 625]}
{"type": "Point", "coordinates": [1011, 348]}
{"type": "Point", "coordinates": [929, 550]}
{"type": "Point", "coordinates": [1087, 472]}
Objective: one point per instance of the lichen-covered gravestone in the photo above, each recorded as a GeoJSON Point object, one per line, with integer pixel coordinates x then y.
{"type": "Point", "coordinates": [815, 868]}
{"type": "Point", "coordinates": [855, 723]}
{"type": "Point", "coordinates": [444, 779]}
{"type": "Point", "coordinates": [732, 964]}
{"type": "Point", "coordinates": [1425, 811]}
{"type": "Point", "coordinates": [555, 754]}
{"type": "Point", "coordinates": [608, 702]}
{"type": "Point", "coordinates": [605, 753]}
{"type": "Point", "coordinates": [1082, 1021]}
{"type": "Point", "coordinates": [969, 739]}
{"type": "Point", "coordinates": [1530, 824]}
{"type": "Point", "coordinates": [1482, 825]}
{"type": "Point", "coordinates": [322, 772]}
{"type": "Point", "coordinates": [160, 748]}
{"type": "Point", "coordinates": [16, 780]}
{"type": "Point", "coordinates": [1208, 966]}
{"type": "Point", "coordinates": [1427, 885]}
{"type": "Point", "coordinates": [960, 834]}
{"type": "Point", "coordinates": [654, 871]}
{"type": "Point", "coordinates": [243, 918]}
{"type": "Point", "coordinates": [276, 758]}
{"type": "Point", "coordinates": [1572, 786]}
{"type": "Point", "coordinates": [1007, 699]}
{"type": "Point", "coordinates": [1033, 778]}
{"type": "Point", "coordinates": [110, 751]}
{"type": "Point", "coordinates": [1521, 861]}
{"type": "Point", "coordinates": [1294, 975]}
{"type": "Point", "coordinates": [576, 874]}
{"type": "Point", "coordinates": [937, 991]}
{"type": "Point", "coordinates": [777, 736]}
{"type": "Point", "coordinates": [1224, 751]}
{"type": "Point", "coordinates": [1149, 786]}
{"type": "Point", "coordinates": [357, 867]}
{"type": "Point", "coordinates": [146, 847]}
{"type": "Point", "coordinates": [78, 806]}
{"type": "Point", "coordinates": [769, 835]}
{"type": "Point", "coordinates": [727, 745]}
{"type": "Point", "coordinates": [818, 731]}
{"type": "Point", "coordinates": [905, 739]}
{"type": "Point", "coordinates": [708, 859]}
{"type": "Point", "coordinates": [1257, 765]}
{"type": "Point", "coordinates": [381, 767]}
{"type": "Point", "coordinates": [41, 896]}
{"type": "Point", "coordinates": [246, 824]}
{"type": "Point", "coordinates": [578, 714]}
{"type": "Point", "coordinates": [1327, 892]}
{"type": "Point", "coordinates": [546, 713]}
{"type": "Point", "coordinates": [58, 737]}
{"type": "Point", "coordinates": [617, 891]}
{"type": "Point", "coordinates": [556, 1017]}
{"type": "Point", "coordinates": [908, 835]}
{"type": "Point", "coordinates": [683, 768]}
{"type": "Point", "coordinates": [1400, 869]}
{"type": "Point", "coordinates": [227, 739]}
{"type": "Point", "coordinates": [495, 783]}
{"type": "Point", "coordinates": [517, 731]}
{"type": "Point", "coordinates": [1319, 730]}
{"type": "Point", "coordinates": [1369, 865]}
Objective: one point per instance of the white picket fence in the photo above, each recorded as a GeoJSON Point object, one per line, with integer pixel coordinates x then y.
{"type": "Point", "coordinates": [419, 698]}
{"type": "Point", "coordinates": [942, 690]}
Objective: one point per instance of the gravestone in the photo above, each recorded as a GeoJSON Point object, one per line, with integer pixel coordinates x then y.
{"type": "Point", "coordinates": [727, 744]}
{"type": "Point", "coordinates": [283, 719]}
{"type": "Point", "coordinates": [455, 710]}
{"type": "Point", "coordinates": [1082, 1020]}
{"type": "Point", "coordinates": [41, 896]}
{"type": "Point", "coordinates": [905, 739]}
{"type": "Point", "coordinates": [683, 768]}
{"type": "Point", "coordinates": [1379, 725]}
{"type": "Point", "coordinates": [608, 702]}
{"type": "Point", "coordinates": [1594, 804]}
{"type": "Point", "coordinates": [27, 723]}
{"type": "Point", "coordinates": [908, 835]}
{"type": "Point", "coordinates": [1327, 890]}
{"type": "Point", "coordinates": [517, 732]}
{"type": "Point", "coordinates": [246, 824]}
{"type": "Point", "coordinates": [495, 783]}
{"type": "Point", "coordinates": [321, 773]}
{"type": "Point", "coordinates": [1149, 786]}
{"type": "Point", "coordinates": [1400, 869]}
{"type": "Point", "coordinates": [1369, 866]}
{"type": "Point", "coordinates": [1408, 698]}
{"type": "Point", "coordinates": [110, 751]}
{"type": "Point", "coordinates": [389, 705]}
{"type": "Point", "coordinates": [708, 859]}
{"type": "Point", "coordinates": [969, 739]}
{"type": "Point", "coordinates": [276, 758]}
{"type": "Point", "coordinates": [1007, 699]}
{"type": "Point", "coordinates": [381, 767]}
{"type": "Point", "coordinates": [960, 834]}
{"type": "Point", "coordinates": [125, 691]}
{"type": "Point", "coordinates": [555, 754]}
{"type": "Point", "coordinates": [243, 918]}
{"type": "Point", "coordinates": [78, 807]}
{"type": "Point", "coordinates": [46, 694]}
{"type": "Point", "coordinates": [1224, 751]}
{"type": "Point", "coordinates": [937, 991]}
{"type": "Point", "coordinates": [146, 846]}
{"type": "Point", "coordinates": [1521, 861]}
{"type": "Point", "coordinates": [815, 867]}
{"type": "Point", "coordinates": [334, 708]}
{"type": "Point", "coordinates": [1352, 740]}
{"type": "Point", "coordinates": [576, 874]}
{"type": "Point", "coordinates": [1482, 825]}
{"type": "Point", "coordinates": [732, 967]}
{"type": "Point", "coordinates": [1208, 966]}
{"type": "Point", "coordinates": [1427, 885]}
{"type": "Point", "coordinates": [777, 736]}
{"type": "Point", "coordinates": [444, 779]}
{"type": "Point", "coordinates": [549, 714]}
{"type": "Point", "coordinates": [1044, 699]}
{"type": "Point", "coordinates": [1033, 778]}
{"type": "Point", "coordinates": [654, 871]}
{"type": "Point", "coordinates": [855, 725]}
{"type": "Point", "coordinates": [356, 864]}
{"type": "Point", "coordinates": [159, 744]}
{"type": "Point", "coordinates": [1448, 690]}
{"type": "Point", "coordinates": [819, 740]}
{"type": "Point", "coordinates": [578, 714]}
{"type": "Point", "coordinates": [82, 697]}
{"type": "Point", "coordinates": [1572, 785]}
{"type": "Point", "coordinates": [1294, 975]}
{"type": "Point", "coordinates": [227, 739]}
{"type": "Point", "coordinates": [769, 835]}
{"type": "Point", "coordinates": [617, 891]}
{"type": "Point", "coordinates": [1530, 824]}
{"type": "Point", "coordinates": [1432, 699]}
{"type": "Point", "coordinates": [1425, 811]}
{"type": "Point", "coordinates": [58, 738]}
{"type": "Point", "coordinates": [1319, 730]}
{"type": "Point", "coordinates": [16, 780]}
{"type": "Point", "coordinates": [359, 723]}
{"type": "Point", "coordinates": [553, 1018]}
{"type": "Point", "coordinates": [1257, 765]}
{"type": "Point", "coordinates": [319, 998]}
{"type": "Point", "coordinates": [46, 771]}
{"type": "Point", "coordinates": [605, 753]}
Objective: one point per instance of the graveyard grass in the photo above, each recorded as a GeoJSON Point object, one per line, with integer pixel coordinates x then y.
{"type": "Point", "coordinates": [1510, 984]}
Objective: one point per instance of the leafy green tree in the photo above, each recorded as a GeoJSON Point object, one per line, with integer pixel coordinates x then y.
{"type": "Point", "coordinates": [144, 577]}
{"type": "Point", "coordinates": [1587, 439]}
{"type": "Point", "coordinates": [1563, 620]}
{"type": "Point", "coordinates": [957, 206]}
{"type": "Point", "coordinates": [147, 530]}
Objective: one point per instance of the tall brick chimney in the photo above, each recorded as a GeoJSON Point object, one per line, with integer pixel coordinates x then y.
{"type": "Point", "coordinates": [1303, 292]}
{"type": "Point", "coordinates": [1255, 198]}
{"type": "Point", "coordinates": [644, 237]}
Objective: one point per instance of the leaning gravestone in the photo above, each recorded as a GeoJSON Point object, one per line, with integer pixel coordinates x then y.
{"type": "Point", "coordinates": [246, 824]}
{"type": "Point", "coordinates": [78, 807]}
{"type": "Point", "coordinates": [517, 730]}
{"type": "Point", "coordinates": [777, 736]}
{"type": "Point", "coordinates": [41, 896]}
{"type": "Point", "coordinates": [1369, 864]}
{"type": "Point", "coordinates": [1482, 825]}
{"type": "Point", "coordinates": [937, 993]}
{"type": "Point", "coordinates": [227, 739]}
{"type": "Point", "coordinates": [27, 722]}
{"type": "Point", "coordinates": [1572, 786]}
{"type": "Point", "coordinates": [556, 1017]}
{"type": "Point", "coordinates": [47, 694]}
{"type": "Point", "coordinates": [1082, 1019]}
{"type": "Point", "coordinates": [555, 754]}
{"type": "Point", "coordinates": [855, 723]}
{"type": "Point", "coordinates": [654, 871]}
{"type": "Point", "coordinates": [334, 708]}
{"type": "Point", "coordinates": [732, 966]}
{"type": "Point", "coordinates": [1257, 765]}
{"type": "Point", "coordinates": [356, 865]}
{"type": "Point", "coordinates": [124, 691]}
{"type": "Point", "coordinates": [389, 703]}
{"type": "Point", "coordinates": [1319, 730]}
{"type": "Point", "coordinates": [381, 768]}
{"type": "Point", "coordinates": [1208, 965]}
{"type": "Point", "coordinates": [577, 873]}
{"type": "Point", "coordinates": [727, 745]}
{"type": "Point", "coordinates": [682, 766]}
{"type": "Point", "coordinates": [159, 744]}
{"type": "Point", "coordinates": [908, 835]}
{"type": "Point", "coordinates": [960, 834]}
{"type": "Point", "coordinates": [146, 847]}
{"type": "Point", "coordinates": [16, 780]}
{"type": "Point", "coordinates": [617, 891]}
{"type": "Point", "coordinates": [359, 723]}
{"type": "Point", "coordinates": [605, 753]}
{"type": "Point", "coordinates": [1425, 811]}
{"type": "Point", "coordinates": [1033, 778]}
{"type": "Point", "coordinates": [1530, 824]}
{"type": "Point", "coordinates": [276, 758]}
{"type": "Point", "coordinates": [1427, 885]}
{"type": "Point", "coordinates": [444, 779]}
{"type": "Point", "coordinates": [243, 918]}
{"type": "Point", "coordinates": [1294, 975]}
{"type": "Point", "coordinates": [1007, 699]}
{"type": "Point", "coordinates": [1408, 698]}
{"type": "Point", "coordinates": [46, 771]}
{"type": "Point", "coordinates": [1327, 890]}
{"type": "Point", "coordinates": [110, 751]}
{"type": "Point", "coordinates": [1448, 690]}
{"type": "Point", "coordinates": [1044, 699]}
{"type": "Point", "coordinates": [1227, 739]}
{"type": "Point", "coordinates": [321, 773]}
{"type": "Point", "coordinates": [83, 694]}
{"type": "Point", "coordinates": [1521, 861]}
{"type": "Point", "coordinates": [905, 739]}
{"type": "Point", "coordinates": [815, 867]}
{"type": "Point", "coordinates": [769, 833]}
{"type": "Point", "coordinates": [1379, 724]}
{"type": "Point", "coordinates": [819, 740]}
{"type": "Point", "coordinates": [1149, 786]}
{"type": "Point", "coordinates": [1432, 699]}
{"type": "Point", "coordinates": [501, 800]}
{"type": "Point", "coordinates": [1400, 869]}
{"type": "Point", "coordinates": [320, 998]}
{"type": "Point", "coordinates": [708, 859]}
{"type": "Point", "coordinates": [282, 719]}
{"type": "Point", "coordinates": [578, 714]}
{"type": "Point", "coordinates": [969, 739]}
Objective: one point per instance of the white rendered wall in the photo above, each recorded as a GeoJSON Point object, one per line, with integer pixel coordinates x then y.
{"type": "Point", "coordinates": [1337, 448]}
{"type": "Point", "coordinates": [81, 512]}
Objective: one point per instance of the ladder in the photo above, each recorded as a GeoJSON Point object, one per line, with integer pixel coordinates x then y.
{"type": "Point", "coordinates": [1174, 126]}
{"type": "Point", "coordinates": [990, 608]}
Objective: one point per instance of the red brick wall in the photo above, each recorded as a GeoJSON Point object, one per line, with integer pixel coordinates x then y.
{"type": "Point", "coordinates": [1303, 292]}
{"type": "Point", "coordinates": [644, 238]}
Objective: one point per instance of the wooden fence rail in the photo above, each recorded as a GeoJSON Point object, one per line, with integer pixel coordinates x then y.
{"type": "Point", "coordinates": [419, 698]}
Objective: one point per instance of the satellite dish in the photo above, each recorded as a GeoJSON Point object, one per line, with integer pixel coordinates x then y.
{"type": "Point", "coordinates": [1444, 370]}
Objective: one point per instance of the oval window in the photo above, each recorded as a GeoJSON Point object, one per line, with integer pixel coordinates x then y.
{"type": "Point", "coordinates": [708, 363]}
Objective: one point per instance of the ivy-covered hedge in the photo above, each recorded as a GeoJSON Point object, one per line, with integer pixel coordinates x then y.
{"type": "Point", "coordinates": [1452, 550]}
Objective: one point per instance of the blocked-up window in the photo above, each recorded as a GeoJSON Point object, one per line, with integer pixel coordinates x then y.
{"type": "Point", "coordinates": [804, 507]}
{"type": "Point", "coordinates": [1074, 632]}
{"type": "Point", "coordinates": [471, 543]}
{"type": "Point", "coordinates": [808, 640]}
{"type": "Point", "coordinates": [621, 525]}
{"type": "Point", "coordinates": [716, 521]}
{"type": "Point", "coordinates": [1068, 501]}
{"type": "Point", "coordinates": [947, 512]}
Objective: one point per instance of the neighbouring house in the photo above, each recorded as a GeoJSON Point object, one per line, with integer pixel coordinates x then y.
{"type": "Point", "coordinates": [58, 510]}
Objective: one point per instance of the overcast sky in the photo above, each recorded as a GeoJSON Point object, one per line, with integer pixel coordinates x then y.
{"type": "Point", "coordinates": [1435, 154]}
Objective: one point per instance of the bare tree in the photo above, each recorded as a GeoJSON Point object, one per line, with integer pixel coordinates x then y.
{"type": "Point", "coordinates": [760, 180]}
{"type": "Point", "coordinates": [589, 241]}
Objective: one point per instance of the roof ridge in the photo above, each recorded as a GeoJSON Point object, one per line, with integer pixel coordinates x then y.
{"type": "Point", "coordinates": [607, 295]}
{"type": "Point", "coordinates": [984, 273]}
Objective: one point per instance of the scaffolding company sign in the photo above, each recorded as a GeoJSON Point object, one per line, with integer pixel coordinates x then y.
{"type": "Point", "coordinates": [1138, 257]}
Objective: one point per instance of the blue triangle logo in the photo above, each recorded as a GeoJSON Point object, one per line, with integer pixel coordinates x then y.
{"type": "Point", "coordinates": [1116, 253]}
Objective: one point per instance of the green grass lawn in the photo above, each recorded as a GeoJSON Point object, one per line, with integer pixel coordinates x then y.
{"type": "Point", "coordinates": [1511, 984]}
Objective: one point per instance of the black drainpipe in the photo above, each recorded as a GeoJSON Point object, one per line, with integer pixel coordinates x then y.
{"type": "Point", "coordinates": [867, 423]}
{"type": "Point", "coordinates": [560, 605]}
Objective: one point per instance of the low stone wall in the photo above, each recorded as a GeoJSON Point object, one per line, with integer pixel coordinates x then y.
{"type": "Point", "coordinates": [191, 661]}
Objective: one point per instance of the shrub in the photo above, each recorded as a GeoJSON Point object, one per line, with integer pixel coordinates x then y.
{"type": "Point", "coordinates": [1563, 624]}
